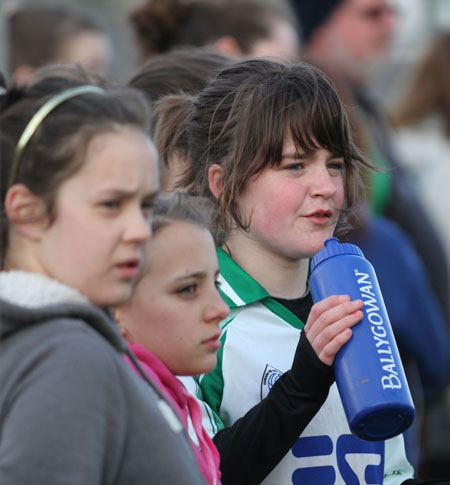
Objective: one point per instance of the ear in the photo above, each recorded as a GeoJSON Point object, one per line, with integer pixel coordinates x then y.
{"type": "Point", "coordinates": [26, 212]}
{"type": "Point", "coordinates": [215, 179]}
{"type": "Point", "coordinates": [227, 46]}
{"type": "Point", "coordinates": [126, 334]}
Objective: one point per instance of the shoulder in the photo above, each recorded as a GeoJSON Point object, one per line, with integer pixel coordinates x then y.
{"type": "Point", "coordinates": [65, 350]}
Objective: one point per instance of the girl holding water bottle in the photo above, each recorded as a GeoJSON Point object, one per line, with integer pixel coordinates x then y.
{"type": "Point", "coordinates": [271, 144]}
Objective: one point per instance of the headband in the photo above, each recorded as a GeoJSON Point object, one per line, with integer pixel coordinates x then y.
{"type": "Point", "coordinates": [39, 116]}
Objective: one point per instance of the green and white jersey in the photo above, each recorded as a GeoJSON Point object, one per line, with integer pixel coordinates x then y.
{"type": "Point", "coordinates": [259, 340]}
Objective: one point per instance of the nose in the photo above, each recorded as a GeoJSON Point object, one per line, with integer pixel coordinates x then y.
{"type": "Point", "coordinates": [322, 183]}
{"type": "Point", "coordinates": [138, 227]}
{"type": "Point", "coordinates": [388, 17]}
{"type": "Point", "coordinates": [216, 309]}
{"type": "Point", "coordinates": [390, 21]}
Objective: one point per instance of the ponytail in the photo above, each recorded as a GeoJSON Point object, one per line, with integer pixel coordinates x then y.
{"type": "Point", "coordinates": [156, 25]}
{"type": "Point", "coordinates": [169, 130]}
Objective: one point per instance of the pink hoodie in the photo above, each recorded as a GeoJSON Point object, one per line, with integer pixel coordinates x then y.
{"type": "Point", "coordinates": [207, 455]}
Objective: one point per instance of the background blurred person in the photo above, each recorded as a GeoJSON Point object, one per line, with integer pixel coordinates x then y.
{"type": "Point", "coordinates": [422, 135]}
{"type": "Point", "coordinates": [40, 35]}
{"type": "Point", "coordinates": [237, 28]}
{"type": "Point", "coordinates": [185, 70]}
{"type": "Point", "coordinates": [349, 35]}
{"type": "Point", "coordinates": [182, 69]}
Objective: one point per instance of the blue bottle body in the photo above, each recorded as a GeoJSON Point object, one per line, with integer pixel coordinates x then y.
{"type": "Point", "coordinates": [368, 370]}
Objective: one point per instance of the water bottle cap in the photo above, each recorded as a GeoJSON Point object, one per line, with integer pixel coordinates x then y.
{"type": "Point", "coordinates": [334, 248]}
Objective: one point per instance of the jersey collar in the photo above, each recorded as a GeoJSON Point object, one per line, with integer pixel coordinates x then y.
{"type": "Point", "coordinates": [241, 290]}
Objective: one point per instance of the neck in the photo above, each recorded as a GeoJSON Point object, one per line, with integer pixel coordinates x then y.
{"type": "Point", "coordinates": [281, 277]}
{"type": "Point", "coordinates": [21, 255]}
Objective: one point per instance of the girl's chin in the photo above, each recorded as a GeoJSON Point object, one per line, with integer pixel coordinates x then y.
{"type": "Point", "coordinates": [308, 251]}
{"type": "Point", "coordinates": [200, 368]}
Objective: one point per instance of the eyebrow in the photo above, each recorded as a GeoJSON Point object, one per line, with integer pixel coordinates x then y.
{"type": "Point", "coordinates": [198, 275]}
{"type": "Point", "coordinates": [296, 155]}
{"type": "Point", "coordinates": [301, 156]}
{"type": "Point", "coordinates": [124, 193]}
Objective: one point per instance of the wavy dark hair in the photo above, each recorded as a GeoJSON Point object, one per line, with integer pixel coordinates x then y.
{"type": "Point", "coordinates": [240, 122]}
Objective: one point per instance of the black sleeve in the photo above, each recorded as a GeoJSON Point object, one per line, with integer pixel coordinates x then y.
{"type": "Point", "coordinates": [418, 481]}
{"type": "Point", "coordinates": [255, 444]}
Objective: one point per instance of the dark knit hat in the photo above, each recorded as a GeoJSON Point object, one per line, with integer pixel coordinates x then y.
{"type": "Point", "coordinates": [311, 14]}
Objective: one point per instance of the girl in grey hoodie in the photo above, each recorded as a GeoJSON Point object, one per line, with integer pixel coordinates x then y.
{"type": "Point", "coordinates": [78, 179]}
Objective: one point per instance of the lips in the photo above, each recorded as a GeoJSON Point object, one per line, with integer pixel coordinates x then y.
{"type": "Point", "coordinates": [129, 268]}
{"type": "Point", "coordinates": [321, 213]}
{"type": "Point", "coordinates": [213, 342]}
{"type": "Point", "coordinates": [321, 217]}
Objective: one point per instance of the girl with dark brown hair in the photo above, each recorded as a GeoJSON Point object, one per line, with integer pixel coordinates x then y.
{"type": "Point", "coordinates": [271, 144]}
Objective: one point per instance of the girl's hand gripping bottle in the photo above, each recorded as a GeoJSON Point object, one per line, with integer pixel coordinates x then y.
{"type": "Point", "coordinates": [368, 370]}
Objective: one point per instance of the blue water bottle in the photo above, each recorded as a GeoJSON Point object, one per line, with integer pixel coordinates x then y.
{"type": "Point", "coordinates": [368, 370]}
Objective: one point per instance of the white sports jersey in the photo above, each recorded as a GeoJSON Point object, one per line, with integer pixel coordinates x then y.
{"type": "Point", "coordinates": [259, 338]}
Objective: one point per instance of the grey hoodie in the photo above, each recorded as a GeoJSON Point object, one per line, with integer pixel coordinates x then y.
{"type": "Point", "coordinates": [71, 409]}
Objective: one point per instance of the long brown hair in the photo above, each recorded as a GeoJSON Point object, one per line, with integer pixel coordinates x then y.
{"type": "Point", "coordinates": [240, 121]}
{"type": "Point", "coordinates": [430, 90]}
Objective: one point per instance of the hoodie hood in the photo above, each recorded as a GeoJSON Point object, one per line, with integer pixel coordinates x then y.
{"type": "Point", "coordinates": [27, 299]}
{"type": "Point", "coordinates": [33, 290]}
